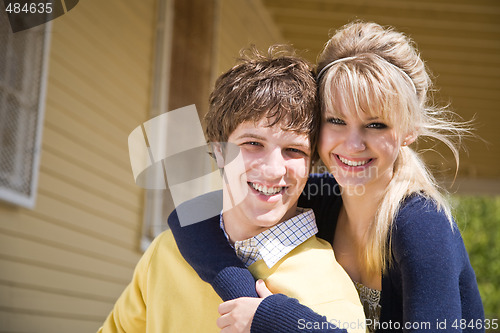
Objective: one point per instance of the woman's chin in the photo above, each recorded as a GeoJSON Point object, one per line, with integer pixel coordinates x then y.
{"type": "Point", "coordinates": [353, 187]}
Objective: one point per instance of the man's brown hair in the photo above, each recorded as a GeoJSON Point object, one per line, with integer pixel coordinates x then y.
{"type": "Point", "coordinates": [279, 86]}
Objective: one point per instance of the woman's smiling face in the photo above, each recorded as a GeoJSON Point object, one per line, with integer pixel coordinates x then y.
{"type": "Point", "coordinates": [358, 149]}
{"type": "Point", "coordinates": [365, 121]}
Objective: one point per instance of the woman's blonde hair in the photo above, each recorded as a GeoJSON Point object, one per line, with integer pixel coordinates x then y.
{"type": "Point", "coordinates": [378, 71]}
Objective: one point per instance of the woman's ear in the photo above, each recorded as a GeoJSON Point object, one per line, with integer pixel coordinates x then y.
{"type": "Point", "coordinates": [410, 138]}
{"type": "Point", "coordinates": [219, 156]}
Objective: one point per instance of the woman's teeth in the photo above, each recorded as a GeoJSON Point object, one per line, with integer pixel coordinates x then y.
{"type": "Point", "coordinates": [267, 190]}
{"type": "Point", "coordinates": [353, 163]}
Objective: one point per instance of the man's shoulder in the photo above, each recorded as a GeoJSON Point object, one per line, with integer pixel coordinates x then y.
{"type": "Point", "coordinates": [316, 243]}
{"type": "Point", "coordinates": [165, 257]}
{"type": "Point", "coordinates": [174, 291]}
{"type": "Point", "coordinates": [161, 244]}
{"type": "Point", "coordinates": [196, 210]}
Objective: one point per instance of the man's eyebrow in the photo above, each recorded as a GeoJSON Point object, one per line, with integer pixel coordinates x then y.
{"type": "Point", "coordinates": [262, 138]}
{"type": "Point", "coordinates": [298, 144]}
{"type": "Point", "coordinates": [251, 135]}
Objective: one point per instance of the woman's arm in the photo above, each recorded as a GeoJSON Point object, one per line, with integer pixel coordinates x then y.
{"type": "Point", "coordinates": [205, 247]}
{"type": "Point", "coordinates": [282, 314]}
{"type": "Point", "coordinates": [434, 268]}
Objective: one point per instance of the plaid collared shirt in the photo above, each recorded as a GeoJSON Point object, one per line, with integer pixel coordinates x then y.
{"type": "Point", "coordinates": [274, 243]}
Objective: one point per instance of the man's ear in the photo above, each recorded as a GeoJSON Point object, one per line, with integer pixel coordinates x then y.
{"type": "Point", "coordinates": [219, 156]}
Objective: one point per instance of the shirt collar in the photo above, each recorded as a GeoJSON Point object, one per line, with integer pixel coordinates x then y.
{"type": "Point", "coordinates": [276, 242]}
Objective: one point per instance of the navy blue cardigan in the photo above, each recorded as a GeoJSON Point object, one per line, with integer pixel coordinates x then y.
{"type": "Point", "coordinates": [430, 286]}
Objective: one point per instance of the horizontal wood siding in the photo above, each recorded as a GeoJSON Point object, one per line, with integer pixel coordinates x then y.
{"type": "Point", "coordinates": [240, 24]}
{"type": "Point", "coordinates": [63, 264]}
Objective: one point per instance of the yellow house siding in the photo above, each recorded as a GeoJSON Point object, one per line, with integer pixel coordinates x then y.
{"type": "Point", "coordinates": [63, 264]}
{"type": "Point", "coordinates": [240, 24]}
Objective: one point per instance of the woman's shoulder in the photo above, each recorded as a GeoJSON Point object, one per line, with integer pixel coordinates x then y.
{"type": "Point", "coordinates": [420, 227]}
{"type": "Point", "coordinates": [418, 208]}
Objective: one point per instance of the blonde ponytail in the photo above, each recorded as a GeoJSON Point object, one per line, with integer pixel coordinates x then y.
{"type": "Point", "coordinates": [410, 176]}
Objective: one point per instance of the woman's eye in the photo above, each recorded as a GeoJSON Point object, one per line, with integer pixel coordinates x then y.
{"type": "Point", "coordinates": [377, 125]}
{"type": "Point", "coordinates": [335, 121]}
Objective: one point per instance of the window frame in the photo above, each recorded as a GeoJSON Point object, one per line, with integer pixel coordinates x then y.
{"type": "Point", "coordinates": [10, 195]}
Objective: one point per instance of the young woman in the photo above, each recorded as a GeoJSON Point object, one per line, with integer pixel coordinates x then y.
{"type": "Point", "coordinates": [390, 227]}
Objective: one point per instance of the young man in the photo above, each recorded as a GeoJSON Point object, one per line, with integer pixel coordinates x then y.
{"type": "Point", "coordinates": [263, 125]}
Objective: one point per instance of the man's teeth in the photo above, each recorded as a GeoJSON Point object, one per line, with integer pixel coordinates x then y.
{"type": "Point", "coordinates": [267, 190]}
{"type": "Point", "coordinates": [353, 163]}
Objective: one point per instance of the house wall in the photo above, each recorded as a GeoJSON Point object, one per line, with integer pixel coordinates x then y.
{"type": "Point", "coordinates": [241, 23]}
{"type": "Point", "coordinates": [64, 263]}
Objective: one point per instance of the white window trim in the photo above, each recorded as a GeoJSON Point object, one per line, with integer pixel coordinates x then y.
{"type": "Point", "coordinates": [11, 196]}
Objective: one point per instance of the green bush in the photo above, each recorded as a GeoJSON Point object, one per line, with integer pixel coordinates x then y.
{"type": "Point", "coordinates": [479, 221]}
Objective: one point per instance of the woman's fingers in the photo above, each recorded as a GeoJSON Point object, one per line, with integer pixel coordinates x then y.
{"type": "Point", "coordinates": [236, 315]}
{"type": "Point", "coordinates": [226, 306]}
{"type": "Point", "coordinates": [224, 321]}
{"type": "Point", "coordinates": [261, 288]}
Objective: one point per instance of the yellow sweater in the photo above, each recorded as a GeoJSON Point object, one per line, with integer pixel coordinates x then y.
{"type": "Point", "coordinates": [166, 294]}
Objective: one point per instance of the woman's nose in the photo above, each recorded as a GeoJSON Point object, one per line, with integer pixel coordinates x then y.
{"type": "Point", "coordinates": [355, 141]}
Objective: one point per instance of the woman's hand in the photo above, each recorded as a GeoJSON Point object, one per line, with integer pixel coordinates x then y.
{"type": "Point", "coordinates": [237, 314]}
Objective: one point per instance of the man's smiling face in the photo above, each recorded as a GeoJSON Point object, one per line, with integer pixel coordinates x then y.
{"type": "Point", "coordinates": [267, 170]}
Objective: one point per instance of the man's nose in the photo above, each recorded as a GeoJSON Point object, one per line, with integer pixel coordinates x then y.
{"type": "Point", "coordinates": [274, 164]}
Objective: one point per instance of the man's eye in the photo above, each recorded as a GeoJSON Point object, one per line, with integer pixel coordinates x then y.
{"type": "Point", "coordinates": [297, 151]}
{"type": "Point", "coordinates": [377, 125]}
{"type": "Point", "coordinates": [252, 143]}
{"type": "Point", "coordinates": [335, 121]}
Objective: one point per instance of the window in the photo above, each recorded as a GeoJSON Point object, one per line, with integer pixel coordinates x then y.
{"type": "Point", "coordinates": [23, 65]}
